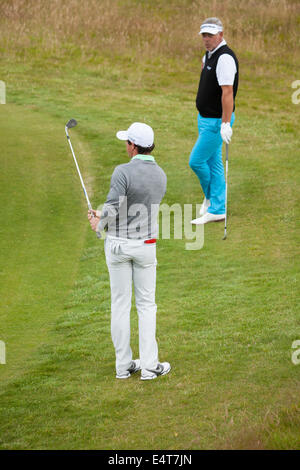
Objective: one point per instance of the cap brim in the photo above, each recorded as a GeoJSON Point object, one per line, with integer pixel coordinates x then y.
{"type": "Point", "coordinates": [122, 135]}
{"type": "Point", "coordinates": [209, 30]}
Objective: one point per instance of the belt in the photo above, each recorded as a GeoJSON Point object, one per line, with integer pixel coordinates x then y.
{"type": "Point", "coordinates": [132, 240]}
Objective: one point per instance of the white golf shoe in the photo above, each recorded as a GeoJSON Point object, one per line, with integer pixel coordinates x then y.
{"type": "Point", "coordinates": [204, 206]}
{"type": "Point", "coordinates": [134, 367]}
{"type": "Point", "coordinates": [208, 217]}
{"type": "Point", "coordinates": [162, 369]}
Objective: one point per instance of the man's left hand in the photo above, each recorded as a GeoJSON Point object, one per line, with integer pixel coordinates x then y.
{"type": "Point", "coordinates": [94, 219]}
{"type": "Point", "coordinates": [226, 132]}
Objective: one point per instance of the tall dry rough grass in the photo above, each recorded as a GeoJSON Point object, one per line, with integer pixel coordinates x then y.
{"type": "Point", "coordinates": [142, 29]}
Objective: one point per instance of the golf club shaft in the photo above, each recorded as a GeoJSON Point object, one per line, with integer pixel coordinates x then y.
{"type": "Point", "coordinates": [81, 180]}
{"type": "Point", "coordinates": [226, 192]}
{"type": "Point", "coordinates": [78, 170]}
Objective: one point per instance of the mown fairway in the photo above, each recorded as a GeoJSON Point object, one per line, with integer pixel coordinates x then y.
{"type": "Point", "coordinates": [227, 314]}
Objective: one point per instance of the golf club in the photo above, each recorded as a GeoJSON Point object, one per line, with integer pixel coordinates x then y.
{"type": "Point", "coordinates": [225, 229]}
{"type": "Point", "coordinates": [72, 123]}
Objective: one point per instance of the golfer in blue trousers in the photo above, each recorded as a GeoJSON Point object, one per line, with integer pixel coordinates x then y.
{"type": "Point", "coordinates": [215, 103]}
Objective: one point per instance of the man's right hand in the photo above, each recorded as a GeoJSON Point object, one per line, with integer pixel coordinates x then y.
{"type": "Point", "coordinates": [92, 213]}
{"type": "Point", "coordinates": [94, 218]}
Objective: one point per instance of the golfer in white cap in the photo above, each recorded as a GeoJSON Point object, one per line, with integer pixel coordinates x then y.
{"type": "Point", "coordinates": [129, 217]}
{"type": "Point", "coordinates": [215, 103]}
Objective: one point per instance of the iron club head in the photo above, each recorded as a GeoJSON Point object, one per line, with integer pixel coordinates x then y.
{"type": "Point", "coordinates": [71, 123]}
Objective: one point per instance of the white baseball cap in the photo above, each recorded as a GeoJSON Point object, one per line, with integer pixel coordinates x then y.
{"type": "Point", "coordinates": [210, 28]}
{"type": "Point", "coordinates": [139, 134]}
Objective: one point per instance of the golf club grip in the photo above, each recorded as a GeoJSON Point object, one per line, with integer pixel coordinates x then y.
{"type": "Point", "coordinates": [97, 233]}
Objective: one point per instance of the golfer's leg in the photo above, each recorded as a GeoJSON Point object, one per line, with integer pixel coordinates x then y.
{"type": "Point", "coordinates": [121, 287]}
{"type": "Point", "coordinates": [217, 182]}
{"type": "Point", "coordinates": [201, 153]}
{"type": "Point", "coordinates": [144, 279]}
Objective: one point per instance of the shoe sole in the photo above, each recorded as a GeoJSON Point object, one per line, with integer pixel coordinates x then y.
{"type": "Point", "coordinates": [209, 221]}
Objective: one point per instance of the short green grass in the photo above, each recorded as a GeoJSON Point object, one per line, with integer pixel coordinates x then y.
{"type": "Point", "coordinates": [38, 237]}
{"type": "Point", "coordinates": [227, 314]}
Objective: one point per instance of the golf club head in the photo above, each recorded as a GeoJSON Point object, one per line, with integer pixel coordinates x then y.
{"type": "Point", "coordinates": [71, 123]}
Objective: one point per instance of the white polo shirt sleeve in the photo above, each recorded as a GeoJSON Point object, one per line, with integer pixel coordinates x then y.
{"type": "Point", "coordinates": [226, 70]}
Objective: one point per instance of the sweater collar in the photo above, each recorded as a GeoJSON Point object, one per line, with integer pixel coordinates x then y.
{"type": "Point", "coordinates": [144, 157]}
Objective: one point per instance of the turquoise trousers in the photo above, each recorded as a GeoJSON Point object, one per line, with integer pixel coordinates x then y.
{"type": "Point", "coordinates": [206, 162]}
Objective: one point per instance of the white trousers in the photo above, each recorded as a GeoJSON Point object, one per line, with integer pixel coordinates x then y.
{"type": "Point", "coordinates": [132, 261]}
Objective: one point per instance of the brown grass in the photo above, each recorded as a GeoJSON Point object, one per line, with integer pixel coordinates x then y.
{"type": "Point", "coordinates": [278, 430]}
{"type": "Point", "coordinates": [144, 30]}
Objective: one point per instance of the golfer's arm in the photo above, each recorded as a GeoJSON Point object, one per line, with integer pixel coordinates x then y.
{"type": "Point", "coordinates": [115, 196]}
{"type": "Point", "coordinates": [227, 102]}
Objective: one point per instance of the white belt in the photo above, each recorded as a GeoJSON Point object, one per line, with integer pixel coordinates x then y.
{"type": "Point", "coordinates": [132, 241]}
{"type": "Point", "coordinates": [116, 242]}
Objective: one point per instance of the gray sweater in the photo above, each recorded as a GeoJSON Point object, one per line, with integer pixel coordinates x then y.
{"type": "Point", "coordinates": [132, 204]}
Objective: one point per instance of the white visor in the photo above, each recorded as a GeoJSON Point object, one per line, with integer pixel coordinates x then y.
{"type": "Point", "coordinates": [210, 28]}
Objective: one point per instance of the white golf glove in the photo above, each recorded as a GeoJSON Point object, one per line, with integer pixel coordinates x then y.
{"type": "Point", "coordinates": [226, 132]}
